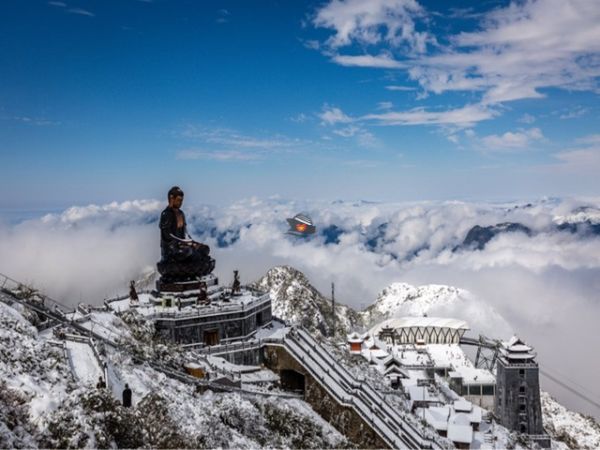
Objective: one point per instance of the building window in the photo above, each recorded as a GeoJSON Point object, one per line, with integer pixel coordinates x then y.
{"type": "Point", "coordinates": [522, 373]}
{"type": "Point", "coordinates": [475, 389]}
{"type": "Point", "coordinates": [521, 389]}
{"type": "Point", "coordinates": [488, 389]}
{"type": "Point", "coordinates": [523, 428]}
{"type": "Point", "coordinates": [522, 407]}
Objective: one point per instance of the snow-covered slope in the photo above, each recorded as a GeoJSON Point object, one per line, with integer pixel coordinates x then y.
{"type": "Point", "coordinates": [404, 299]}
{"type": "Point", "coordinates": [34, 378]}
{"type": "Point", "coordinates": [43, 406]}
{"type": "Point", "coordinates": [574, 429]}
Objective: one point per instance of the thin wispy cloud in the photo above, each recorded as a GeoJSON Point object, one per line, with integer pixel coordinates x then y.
{"type": "Point", "coordinates": [232, 138]}
{"type": "Point", "coordinates": [574, 113]}
{"type": "Point", "coordinates": [362, 163]}
{"type": "Point", "coordinates": [527, 119]}
{"type": "Point", "coordinates": [299, 118]}
{"type": "Point", "coordinates": [363, 138]}
{"type": "Point", "coordinates": [399, 88]}
{"type": "Point", "coordinates": [332, 115]}
{"type": "Point", "coordinates": [220, 155]}
{"type": "Point", "coordinates": [39, 121]}
{"type": "Point", "coordinates": [381, 61]}
{"type": "Point", "coordinates": [229, 145]}
{"type": "Point", "coordinates": [385, 105]}
{"type": "Point", "coordinates": [460, 117]}
{"type": "Point", "coordinates": [223, 15]}
{"type": "Point", "coordinates": [81, 12]}
{"type": "Point", "coordinates": [584, 158]}
{"type": "Point", "coordinates": [58, 4]}
{"type": "Point", "coordinates": [512, 140]}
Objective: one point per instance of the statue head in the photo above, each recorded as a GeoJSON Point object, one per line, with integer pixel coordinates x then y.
{"type": "Point", "coordinates": [175, 197]}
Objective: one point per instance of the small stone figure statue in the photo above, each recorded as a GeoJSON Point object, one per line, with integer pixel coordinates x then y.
{"type": "Point", "coordinates": [202, 295]}
{"type": "Point", "coordinates": [235, 289]}
{"type": "Point", "coordinates": [132, 292]}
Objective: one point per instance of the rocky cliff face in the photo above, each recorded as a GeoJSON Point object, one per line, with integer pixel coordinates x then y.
{"type": "Point", "coordinates": [297, 301]}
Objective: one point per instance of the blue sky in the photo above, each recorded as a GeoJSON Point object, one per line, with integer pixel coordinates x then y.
{"type": "Point", "coordinates": [381, 100]}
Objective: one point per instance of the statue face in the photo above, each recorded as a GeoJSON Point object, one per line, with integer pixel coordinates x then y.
{"type": "Point", "coordinates": [176, 202]}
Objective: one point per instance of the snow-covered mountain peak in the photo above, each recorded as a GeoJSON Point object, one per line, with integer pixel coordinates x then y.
{"type": "Point", "coordinates": [284, 280]}
{"type": "Point", "coordinates": [296, 300]}
{"type": "Point", "coordinates": [404, 299]}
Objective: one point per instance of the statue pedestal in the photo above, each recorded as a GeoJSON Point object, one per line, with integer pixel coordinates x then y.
{"type": "Point", "coordinates": [186, 285]}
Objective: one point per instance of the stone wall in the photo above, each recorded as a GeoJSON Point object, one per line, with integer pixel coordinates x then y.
{"type": "Point", "coordinates": [236, 324]}
{"type": "Point", "coordinates": [244, 357]}
{"type": "Point", "coordinates": [343, 418]}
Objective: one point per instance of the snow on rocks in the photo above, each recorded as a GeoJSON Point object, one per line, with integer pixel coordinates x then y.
{"type": "Point", "coordinates": [404, 299]}
{"type": "Point", "coordinates": [572, 428]}
{"type": "Point", "coordinates": [296, 301]}
{"type": "Point", "coordinates": [35, 368]}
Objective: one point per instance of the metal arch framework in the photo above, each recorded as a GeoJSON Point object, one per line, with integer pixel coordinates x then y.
{"type": "Point", "coordinates": [487, 351]}
{"type": "Point", "coordinates": [430, 334]}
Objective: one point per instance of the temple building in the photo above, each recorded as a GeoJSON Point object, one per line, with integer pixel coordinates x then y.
{"type": "Point", "coordinates": [211, 315]}
{"type": "Point", "coordinates": [518, 405]}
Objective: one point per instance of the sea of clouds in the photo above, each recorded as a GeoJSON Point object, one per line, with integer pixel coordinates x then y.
{"type": "Point", "coordinates": [544, 286]}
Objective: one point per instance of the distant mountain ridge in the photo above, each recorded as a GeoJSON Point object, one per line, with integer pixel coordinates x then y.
{"type": "Point", "coordinates": [478, 236]}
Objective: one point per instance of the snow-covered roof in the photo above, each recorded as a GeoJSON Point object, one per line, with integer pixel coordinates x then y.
{"type": "Point", "coordinates": [355, 337]}
{"type": "Point", "coordinates": [411, 357]}
{"type": "Point", "coordinates": [522, 356]}
{"type": "Point", "coordinates": [437, 417]}
{"type": "Point", "coordinates": [448, 355]}
{"type": "Point", "coordinates": [396, 370]}
{"type": "Point", "coordinates": [515, 344]}
{"type": "Point", "coordinates": [422, 394]}
{"type": "Point", "coordinates": [472, 375]}
{"type": "Point", "coordinates": [465, 413]}
{"type": "Point", "coordinates": [391, 360]}
{"type": "Point", "coordinates": [516, 349]}
{"type": "Point", "coordinates": [460, 433]}
{"type": "Point", "coordinates": [409, 322]}
{"type": "Point", "coordinates": [462, 406]}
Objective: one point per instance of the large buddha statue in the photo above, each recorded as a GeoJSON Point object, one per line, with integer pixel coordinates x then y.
{"type": "Point", "coordinates": [183, 259]}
